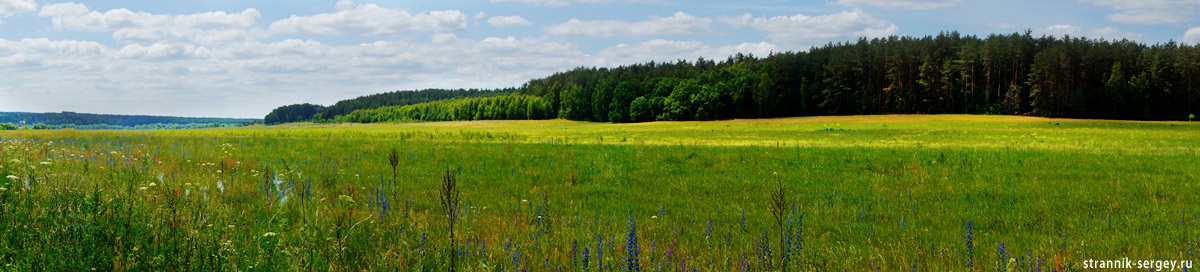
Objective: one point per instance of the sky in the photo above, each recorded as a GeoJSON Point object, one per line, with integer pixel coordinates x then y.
{"type": "Point", "coordinates": [223, 58]}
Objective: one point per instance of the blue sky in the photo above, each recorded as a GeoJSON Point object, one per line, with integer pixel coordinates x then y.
{"type": "Point", "coordinates": [243, 58]}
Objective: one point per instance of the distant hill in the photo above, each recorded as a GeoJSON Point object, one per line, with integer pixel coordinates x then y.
{"type": "Point", "coordinates": [85, 119]}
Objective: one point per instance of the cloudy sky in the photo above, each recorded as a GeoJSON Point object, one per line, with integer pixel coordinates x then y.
{"type": "Point", "coordinates": [226, 58]}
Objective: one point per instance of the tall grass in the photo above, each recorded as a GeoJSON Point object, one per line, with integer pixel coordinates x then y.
{"type": "Point", "coordinates": [319, 198]}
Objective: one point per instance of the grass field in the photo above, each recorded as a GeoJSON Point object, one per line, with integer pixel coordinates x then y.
{"type": "Point", "coordinates": [888, 193]}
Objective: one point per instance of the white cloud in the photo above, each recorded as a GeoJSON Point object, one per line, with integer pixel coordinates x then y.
{"type": "Point", "coordinates": [1150, 12]}
{"type": "Point", "coordinates": [505, 21]}
{"type": "Point", "coordinates": [1107, 33]}
{"type": "Point", "coordinates": [372, 20]}
{"type": "Point", "coordinates": [901, 4]}
{"type": "Point", "coordinates": [737, 21]}
{"type": "Point", "coordinates": [141, 27]}
{"type": "Point", "coordinates": [802, 31]}
{"type": "Point", "coordinates": [162, 78]}
{"type": "Point", "coordinates": [552, 3]}
{"type": "Point", "coordinates": [13, 7]}
{"type": "Point", "coordinates": [1192, 36]}
{"type": "Point", "coordinates": [669, 51]}
{"type": "Point", "coordinates": [680, 23]}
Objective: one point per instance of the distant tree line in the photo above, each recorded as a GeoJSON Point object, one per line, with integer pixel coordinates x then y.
{"type": "Point", "coordinates": [293, 113]}
{"type": "Point", "coordinates": [84, 119]}
{"type": "Point", "coordinates": [508, 107]}
{"type": "Point", "coordinates": [1015, 74]}
{"type": "Point", "coordinates": [310, 112]}
{"type": "Point", "coordinates": [40, 126]}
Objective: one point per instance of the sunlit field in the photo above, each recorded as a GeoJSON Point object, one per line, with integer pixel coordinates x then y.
{"type": "Point", "coordinates": [886, 193]}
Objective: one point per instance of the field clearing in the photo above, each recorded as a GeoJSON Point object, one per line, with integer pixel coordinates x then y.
{"type": "Point", "coordinates": [891, 192]}
{"type": "Point", "coordinates": [874, 131]}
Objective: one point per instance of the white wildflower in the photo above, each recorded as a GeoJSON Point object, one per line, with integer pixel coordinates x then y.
{"type": "Point", "coordinates": [153, 184]}
{"type": "Point", "coordinates": [220, 186]}
{"type": "Point", "coordinates": [268, 234]}
{"type": "Point", "coordinates": [14, 161]}
{"type": "Point", "coordinates": [143, 188]}
{"type": "Point", "coordinates": [12, 177]}
{"type": "Point", "coordinates": [44, 163]}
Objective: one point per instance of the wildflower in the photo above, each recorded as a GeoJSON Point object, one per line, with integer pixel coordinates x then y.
{"type": "Point", "coordinates": [585, 257]}
{"type": "Point", "coordinates": [12, 177]}
{"type": "Point", "coordinates": [1001, 263]}
{"type": "Point", "coordinates": [268, 234]}
{"type": "Point", "coordinates": [220, 186]}
{"type": "Point", "coordinates": [218, 171]}
{"type": "Point", "coordinates": [153, 184]}
{"type": "Point", "coordinates": [45, 163]}
{"type": "Point", "coordinates": [14, 161]}
{"type": "Point", "coordinates": [143, 188]}
{"type": "Point", "coordinates": [632, 259]}
{"type": "Point", "coordinates": [970, 246]}
{"type": "Point", "coordinates": [3, 189]}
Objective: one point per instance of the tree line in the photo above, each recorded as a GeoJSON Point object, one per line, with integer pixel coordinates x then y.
{"type": "Point", "coordinates": [310, 112]}
{"type": "Point", "coordinates": [1016, 74]}
{"type": "Point", "coordinates": [83, 120]}
{"type": "Point", "coordinates": [947, 73]}
{"type": "Point", "coordinates": [508, 107]}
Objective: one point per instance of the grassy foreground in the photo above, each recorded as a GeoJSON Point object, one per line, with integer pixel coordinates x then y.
{"type": "Point", "coordinates": [925, 193]}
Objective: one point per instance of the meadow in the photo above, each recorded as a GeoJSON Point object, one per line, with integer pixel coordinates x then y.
{"type": "Point", "coordinates": [860, 193]}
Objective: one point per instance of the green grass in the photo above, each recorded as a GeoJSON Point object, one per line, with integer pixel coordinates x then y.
{"type": "Point", "coordinates": [887, 192]}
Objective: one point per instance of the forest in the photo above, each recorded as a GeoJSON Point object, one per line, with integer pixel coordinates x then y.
{"type": "Point", "coordinates": [509, 107]}
{"type": "Point", "coordinates": [1012, 74]}
{"type": "Point", "coordinates": [311, 112]}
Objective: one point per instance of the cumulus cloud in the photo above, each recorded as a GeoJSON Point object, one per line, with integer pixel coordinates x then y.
{"type": "Point", "coordinates": [161, 77]}
{"type": "Point", "coordinates": [901, 4]}
{"type": "Point", "coordinates": [668, 51]}
{"type": "Point", "coordinates": [680, 23]}
{"type": "Point", "coordinates": [1191, 36]}
{"type": "Point", "coordinates": [506, 21]}
{"type": "Point", "coordinates": [141, 27]}
{"type": "Point", "coordinates": [802, 31]}
{"type": "Point", "coordinates": [553, 3]}
{"type": "Point", "coordinates": [372, 20]}
{"type": "Point", "coordinates": [1107, 33]}
{"type": "Point", "coordinates": [1150, 12]}
{"type": "Point", "coordinates": [13, 7]}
